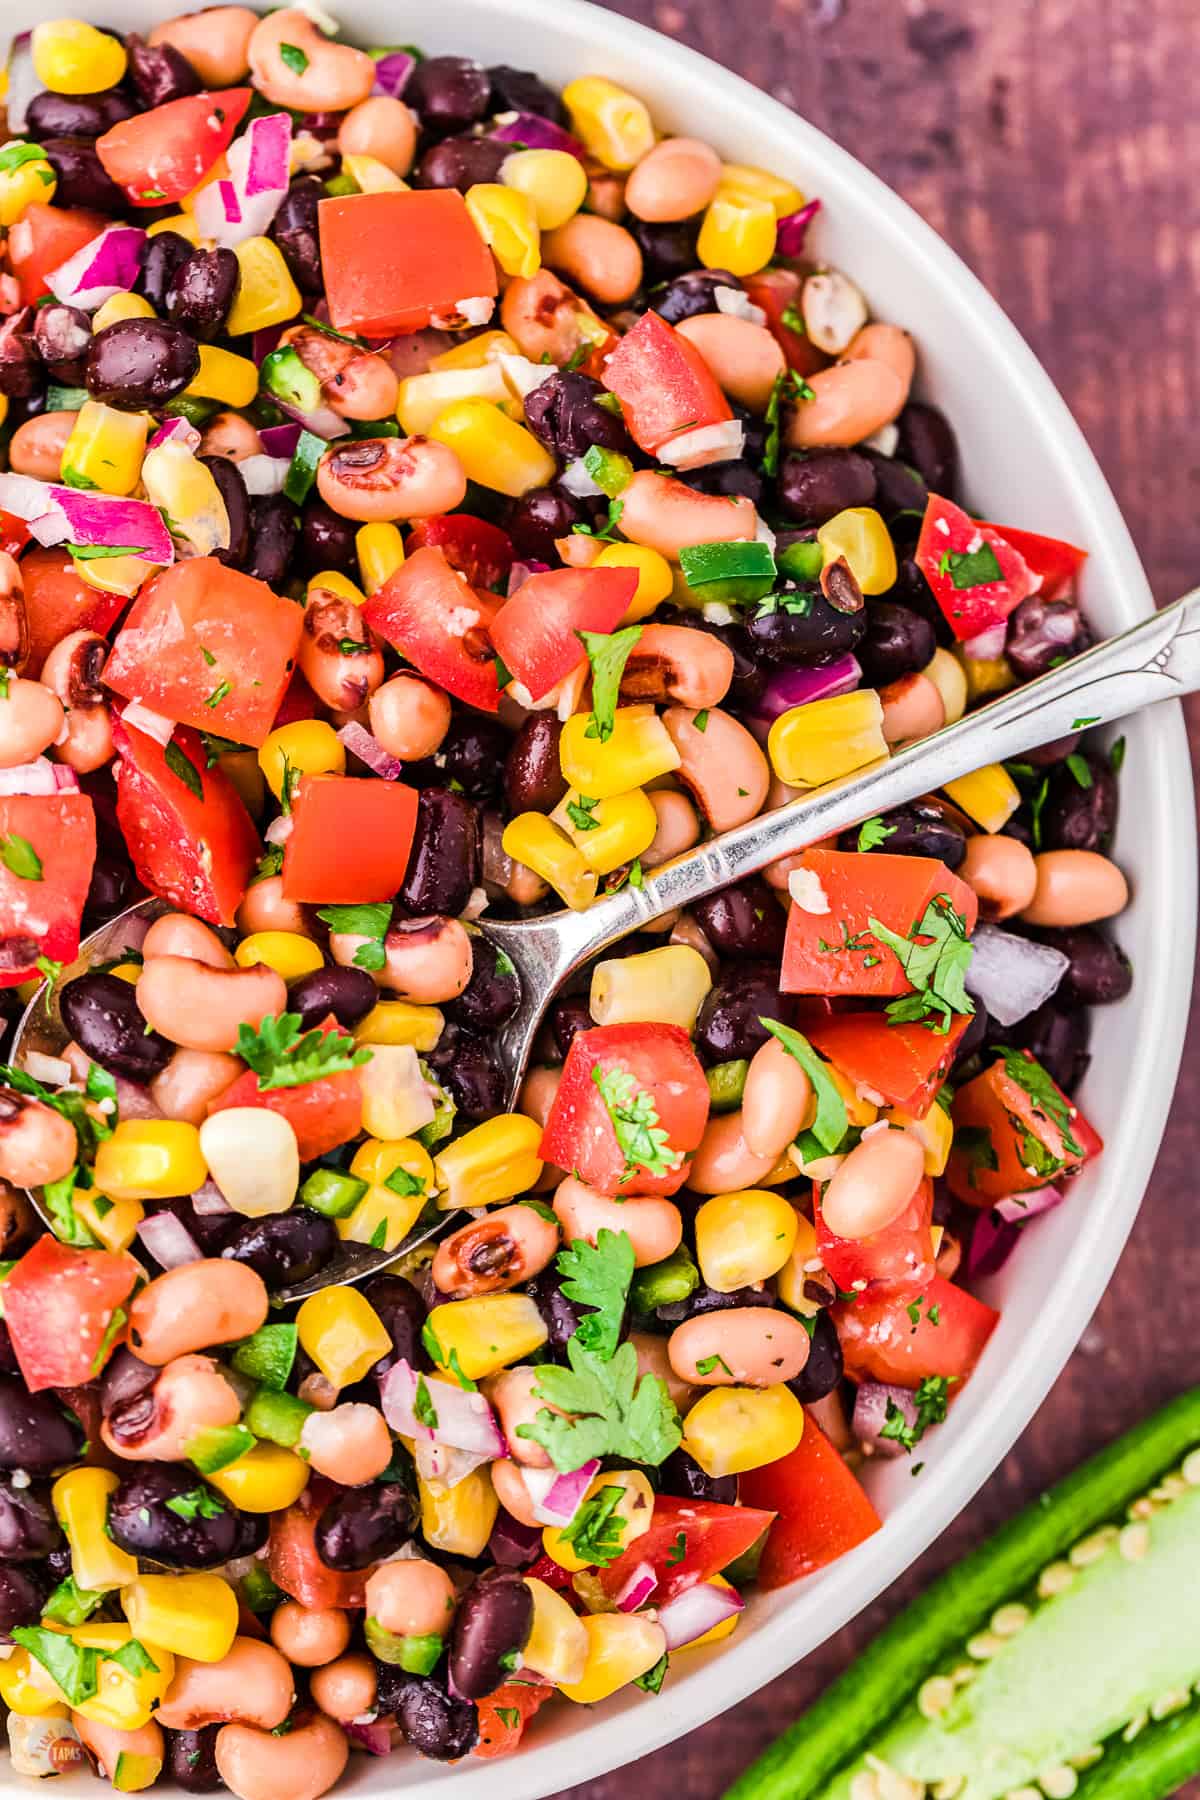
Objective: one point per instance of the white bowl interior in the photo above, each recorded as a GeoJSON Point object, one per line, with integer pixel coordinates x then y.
{"type": "Point", "coordinates": [1026, 463]}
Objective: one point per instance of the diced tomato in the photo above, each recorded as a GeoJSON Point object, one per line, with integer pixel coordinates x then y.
{"type": "Point", "coordinates": [822, 1510]}
{"type": "Point", "coordinates": [1014, 1129]}
{"type": "Point", "coordinates": [835, 952]}
{"type": "Point", "coordinates": [881, 1341]}
{"type": "Point", "coordinates": [14, 534]}
{"type": "Point", "coordinates": [161, 155]}
{"type": "Point", "coordinates": [777, 291]}
{"type": "Point", "coordinates": [59, 1303]}
{"type": "Point", "coordinates": [323, 1114]}
{"type": "Point", "coordinates": [210, 647]}
{"type": "Point", "coordinates": [195, 849]}
{"type": "Point", "coordinates": [689, 1541]}
{"type": "Point", "coordinates": [554, 1575]}
{"type": "Point", "coordinates": [579, 1132]}
{"type": "Point", "coordinates": [504, 1714]}
{"type": "Point", "coordinates": [536, 633]}
{"type": "Point", "coordinates": [905, 1063]}
{"type": "Point", "coordinates": [977, 577]}
{"type": "Point", "coordinates": [299, 701]}
{"type": "Point", "coordinates": [435, 618]}
{"type": "Point", "coordinates": [663, 383]}
{"type": "Point", "coordinates": [40, 913]}
{"type": "Point", "coordinates": [58, 602]}
{"type": "Point", "coordinates": [350, 839]}
{"type": "Point", "coordinates": [296, 1568]}
{"type": "Point", "coordinates": [481, 552]}
{"type": "Point", "coordinates": [43, 239]}
{"type": "Point", "coordinates": [394, 260]}
{"type": "Point", "coordinates": [901, 1254]}
{"type": "Point", "coordinates": [1057, 562]}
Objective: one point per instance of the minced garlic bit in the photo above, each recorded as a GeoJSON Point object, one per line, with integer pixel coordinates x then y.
{"type": "Point", "coordinates": [804, 886]}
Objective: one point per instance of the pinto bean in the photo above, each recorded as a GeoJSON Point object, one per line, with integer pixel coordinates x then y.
{"type": "Point", "coordinates": [202, 1008]}
{"type": "Point", "coordinates": [1074, 887]}
{"type": "Point", "coordinates": [37, 1145]}
{"type": "Point", "coordinates": [257, 1765]}
{"type": "Point", "coordinates": [873, 1184]}
{"type": "Point", "coordinates": [31, 719]}
{"type": "Point", "coordinates": [743, 358]}
{"type": "Point", "coordinates": [1003, 872]}
{"type": "Point", "coordinates": [754, 1346]}
{"type": "Point", "coordinates": [265, 909]}
{"type": "Point", "coordinates": [179, 934]}
{"type": "Point", "coordinates": [850, 402]}
{"type": "Point", "coordinates": [776, 1100]}
{"type": "Point", "coordinates": [600, 257]}
{"type": "Point", "coordinates": [724, 1163]}
{"type": "Point", "coordinates": [675, 662]}
{"type": "Point", "coordinates": [309, 1636]}
{"type": "Point", "coordinates": [721, 766]}
{"type": "Point", "coordinates": [213, 1301]}
{"type": "Point", "coordinates": [216, 42]}
{"type": "Point", "coordinates": [391, 478]}
{"type": "Point", "coordinates": [493, 1254]}
{"type": "Point", "coordinates": [676, 180]}
{"type": "Point", "coordinates": [154, 1423]}
{"type": "Point", "coordinates": [334, 77]}
{"type": "Point", "coordinates": [666, 515]}
{"type": "Point", "coordinates": [655, 1226]}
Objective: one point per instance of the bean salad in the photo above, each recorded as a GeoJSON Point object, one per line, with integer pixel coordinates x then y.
{"type": "Point", "coordinates": [428, 497]}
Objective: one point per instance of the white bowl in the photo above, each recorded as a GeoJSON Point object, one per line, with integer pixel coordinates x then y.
{"type": "Point", "coordinates": [1027, 463]}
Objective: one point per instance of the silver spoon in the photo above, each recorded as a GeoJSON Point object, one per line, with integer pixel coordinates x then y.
{"type": "Point", "coordinates": [1156, 660]}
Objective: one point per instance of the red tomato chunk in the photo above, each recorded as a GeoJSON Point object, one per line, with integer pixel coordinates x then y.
{"type": "Point", "coordinates": [822, 1510]}
{"type": "Point", "coordinates": [350, 839]}
{"type": "Point", "coordinates": [434, 617]}
{"type": "Point", "coordinates": [395, 261]}
{"type": "Point", "coordinates": [47, 849]}
{"type": "Point", "coordinates": [536, 634]}
{"type": "Point", "coordinates": [160, 155]}
{"type": "Point", "coordinates": [59, 1305]}
{"type": "Point", "coordinates": [835, 952]}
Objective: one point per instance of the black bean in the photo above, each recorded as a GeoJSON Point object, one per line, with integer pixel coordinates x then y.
{"type": "Point", "coordinates": [22, 372]}
{"type": "Point", "coordinates": [326, 539]}
{"type": "Point", "coordinates": [695, 292]}
{"type": "Point", "coordinates": [898, 486]}
{"type": "Point", "coordinates": [727, 1027]}
{"type": "Point", "coordinates": [139, 364]}
{"type": "Point", "coordinates": [443, 864]}
{"type": "Point", "coordinates": [564, 414]}
{"type": "Point", "coordinates": [232, 490]}
{"type": "Point", "coordinates": [683, 1477]}
{"type": "Point", "coordinates": [461, 162]}
{"type": "Point", "coordinates": [448, 93]}
{"type": "Point", "coordinates": [101, 1013]}
{"type": "Point", "coordinates": [161, 255]}
{"type": "Point", "coordinates": [559, 1315]}
{"type": "Point", "coordinates": [191, 1759]}
{"type": "Point", "coordinates": [823, 1370]}
{"type": "Point", "coordinates": [569, 1014]}
{"type": "Point", "coordinates": [1100, 971]}
{"type": "Point", "coordinates": [928, 443]}
{"type": "Point", "coordinates": [200, 292]}
{"type": "Point", "coordinates": [82, 178]}
{"type": "Point", "coordinates": [159, 72]}
{"type": "Point", "coordinates": [35, 1435]}
{"type": "Point", "coordinates": [110, 891]}
{"type": "Point", "coordinates": [432, 1723]}
{"type": "Point", "coordinates": [294, 229]}
{"type": "Point", "coordinates": [364, 1524]}
{"type": "Point", "coordinates": [21, 1598]}
{"type": "Point", "coordinates": [28, 1527]}
{"type": "Point", "coordinates": [730, 478]}
{"type": "Point", "coordinates": [473, 753]}
{"type": "Point", "coordinates": [920, 829]}
{"type": "Point", "coordinates": [349, 994]}
{"type": "Point", "coordinates": [897, 642]}
{"type": "Point", "coordinates": [51, 115]}
{"type": "Point", "coordinates": [798, 627]}
{"type": "Point", "coordinates": [537, 519]}
{"type": "Point", "coordinates": [705, 1299]}
{"type": "Point", "coordinates": [466, 1066]}
{"type": "Point", "coordinates": [62, 335]}
{"type": "Point", "coordinates": [491, 1628]}
{"type": "Point", "coordinates": [142, 1517]}
{"type": "Point", "coordinates": [521, 91]}
{"type": "Point", "coordinates": [402, 1311]}
{"type": "Point", "coordinates": [274, 529]}
{"type": "Point", "coordinates": [533, 777]}
{"type": "Point", "coordinates": [1080, 815]}
{"type": "Point", "coordinates": [743, 921]}
{"type": "Point", "coordinates": [1042, 634]}
{"type": "Point", "coordinates": [285, 1247]}
{"type": "Point", "coordinates": [667, 250]}
{"type": "Point", "coordinates": [817, 484]}
{"type": "Point", "coordinates": [912, 590]}
{"type": "Point", "coordinates": [493, 992]}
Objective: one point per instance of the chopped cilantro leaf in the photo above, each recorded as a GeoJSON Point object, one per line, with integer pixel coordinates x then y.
{"type": "Point", "coordinates": [640, 1138]}
{"type": "Point", "coordinates": [281, 1055]}
{"type": "Point", "coordinates": [608, 652]}
{"type": "Point", "coordinates": [598, 1276]}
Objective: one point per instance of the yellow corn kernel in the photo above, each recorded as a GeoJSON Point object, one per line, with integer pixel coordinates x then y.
{"type": "Point", "coordinates": [401, 1022]}
{"type": "Point", "coordinates": [949, 678]}
{"type": "Point", "coordinates": [621, 1647]}
{"type": "Point", "coordinates": [266, 294]}
{"type": "Point", "coordinates": [395, 1096]}
{"type": "Point", "coordinates": [128, 971]}
{"type": "Point", "coordinates": [342, 1332]}
{"type": "Point", "coordinates": [743, 180]}
{"type": "Point", "coordinates": [459, 1520]}
{"type": "Point", "coordinates": [732, 1429]}
{"type": "Point", "coordinates": [493, 449]}
{"type": "Point", "coordinates": [743, 1237]}
{"type": "Point", "coordinates": [332, 581]}
{"type": "Point", "coordinates": [287, 952]}
{"type": "Point", "coordinates": [182, 223]}
{"type": "Point", "coordinates": [371, 176]}
{"type": "Point", "coordinates": [557, 1646]}
{"type": "Point", "coordinates": [120, 308]}
{"type": "Point", "coordinates": [474, 352]}
{"type": "Point", "coordinates": [185, 489]}
{"type": "Point", "coordinates": [554, 181]}
{"type": "Point", "coordinates": [190, 1615]}
{"type": "Point", "coordinates": [306, 747]}
{"type": "Point", "coordinates": [380, 551]}
{"type": "Point", "coordinates": [106, 447]}
{"type": "Point", "coordinates": [124, 1701]}
{"type": "Point", "coordinates": [531, 839]}
{"type": "Point", "coordinates": [26, 182]}
{"type": "Point", "coordinates": [26, 1688]}
{"type": "Point", "coordinates": [656, 579]}
{"type": "Point", "coordinates": [381, 1219]}
{"type": "Point", "coordinates": [803, 1263]}
{"type": "Point", "coordinates": [3, 408]}
{"type": "Point", "coordinates": [493, 1161]}
{"type": "Point", "coordinates": [617, 829]}
{"type": "Point", "coordinates": [385, 1215]}
{"type": "Point", "coordinates": [423, 399]}
{"type": "Point", "coordinates": [990, 796]}
{"type": "Point", "coordinates": [665, 986]}
{"type": "Point", "coordinates": [860, 535]}
{"type": "Point", "coordinates": [268, 1477]}
{"type": "Point", "coordinates": [233, 380]}
{"type": "Point", "coordinates": [738, 234]}
{"type": "Point", "coordinates": [505, 220]}
{"type": "Point", "coordinates": [637, 750]}
{"type": "Point", "coordinates": [859, 1110]}
{"type": "Point", "coordinates": [932, 1130]}
{"type": "Point", "coordinates": [378, 1158]}
{"type": "Point", "coordinates": [726, 1628]}
{"type": "Point", "coordinates": [631, 1514]}
{"type": "Point", "coordinates": [488, 1333]}
{"type": "Point", "coordinates": [150, 1159]}
{"type": "Point", "coordinates": [986, 675]}
{"type": "Point", "coordinates": [613, 124]}
{"type": "Point", "coordinates": [71, 57]}
{"type": "Point", "coordinates": [115, 574]}
{"type": "Point", "coordinates": [136, 1770]}
{"type": "Point", "coordinates": [812, 744]}
{"type": "Point", "coordinates": [113, 1223]}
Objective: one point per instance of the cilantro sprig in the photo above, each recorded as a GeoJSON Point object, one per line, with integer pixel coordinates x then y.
{"type": "Point", "coordinates": [873, 832]}
{"type": "Point", "coordinates": [598, 1277]}
{"type": "Point", "coordinates": [371, 921]}
{"type": "Point", "coordinates": [608, 652]}
{"type": "Point", "coordinates": [613, 1413]}
{"type": "Point", "coordinates": [1033, 1079]}
{"type": "Point", "coordinates": [931, 1399]}
{"type": "Point", "coordinates": [935, 957]}
{"type": "Point", "coordinates": [281, 1055]}
{"type": "Point", "coordinates": [634, 1116]}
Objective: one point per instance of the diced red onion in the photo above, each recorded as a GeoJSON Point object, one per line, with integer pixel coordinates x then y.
{"type": "Point", "coordinates": [797, 687]}
{"type": "Point", "coordinates": [392, 72]}
{"type": "Point", "coordinates": [638, 1589]}
{"type": "Point", "coordinates": [134, 1101]}
{"type": "Point", "coordinates": [533, 132]}
{"type": "Point", "coordinates": [322, 125]}
{"type": "Point", "coordinates": [871, 1413]}
{"type": "Point", "coordinates": [706, 444]}
{"type": "Point", "coordinates": [444, 1464]}
{"type": "Point", "coordinates": [66, 781]}
{"type": "Point", "coordinates": [792, 229]}
{"type": "Point", "coordinates": [465, 1421]}
{"type": "Point", "coordinates": [26, 498]}
{"type": "Point", "coordinates": [375, 1737]}
{"type": "Point", "coordinates": [1012, 975]}
{"type": "Point", "coordinates": [279, 830]}
{"type": "Point", "coordinates": [987, 645]}
{"type": "Point", "coordinates": [269, 141]}
{"type": "Point", "coordinates": [279, 440]}
{"type": "Point", "coordinates": [143, 718]}
{"type": "Point", "coordinates": [323, 422]}
{"type": "Point", "coordinates": [208, 1200]}
{"type": "Point", "coordinates": [29, 778]}
{"type": "Point", "coordinates": [696, 1611]}
{"type": "Point", "coordinates": [561, 1500]}
{"type": "Point", "coordinates": [264, 474]}
{"type": "Point", "coordinates": [242, 206]}
{"type": "Point", "coordinates": [261, 345]}
{"type": "Point", "coordinates": [513, 1545]}
{"type": "Point", "coordinates": [169, 1241]}
{"type": "Point", "coordinates": [105, 520]}
{"type": "Point", "coordinates": [23, 83]}
{"type": "Point", "coordinates": [521, 571]}
{"type": "Point", "coordinates": [993, 1241]}
{"type": "Point", "coordinates": [1018, 1208]}
{"type": "Point", "coordinates": [369, 750]}
{"type": "Point", "coordinates": [175, 431]}
{"type": "Point", "coordinates": [108, 265]}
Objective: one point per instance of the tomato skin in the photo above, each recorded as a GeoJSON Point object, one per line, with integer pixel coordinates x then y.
{"type": "Point", "coordinates": [350, 839]}
{"type": "Point", "coordinates": [394, 260]}
{"type": "Point", "coordinates": [43, 239]}
{"type": "Point", "coordinates": [14, 534]}
{"type": "Point", "coordinates": [198, 854]}
{"type": "Point", "coordinates": [160, 155]}
{"type": "Point", "coordinates": [536, 632]}
{"type": "Point", "coordinates": [295, 1566]}
{"type": "Point", "coordinates": [715, 1536]}
{"type": "Point", "coordinates": [197, 625]}
{"type": "Point", "coordinates": [433, 616]}
{"type": "Point", "coordinates": [481, 552]}
{"type": "Point", "coordinates": [822, 1510]}
{"type": "Point", "coordinates": [906, 1063]}
{"type": "Point", "coordinates": [946, 528]}
{"type": "Point", "coordinates": [58, 1304]}
{"type": "Point", "coordinates": [894, 889]}
{"type": "Point", "coordinates": [58, 602]}
{"type": "Point", "coordinates": [663, 383]}
{"type": "Point", "coordinates": [45, 914]}
{"type": "Point", "coordinates": [323, 1114]}
{"type": "Point", "coordinates": [775, 290]}
{"type": "Point", "coordinates": [880, 1341]}
{"type": "Point", "coordinates": [1057, 562]}
{"type": "Point", "coordinates": [579, 1133]}
{"type": "Point", "coordinates": [499, 1736]}
{"type": "Point", "coordinates": [900, 1255]}
{"type": "Point", "coordinates": [996, 1104]}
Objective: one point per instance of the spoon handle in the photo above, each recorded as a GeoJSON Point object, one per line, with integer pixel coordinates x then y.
{"type": "Point", "coordinates": [1156, 660]}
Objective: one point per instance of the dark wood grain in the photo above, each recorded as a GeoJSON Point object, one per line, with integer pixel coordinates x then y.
{"type": "Point", "coordinates": [1056, 144]}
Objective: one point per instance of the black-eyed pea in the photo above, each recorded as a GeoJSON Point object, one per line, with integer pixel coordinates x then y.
{"type": "Point", "coordinates": [266, 909]}
{"type": "Point", "coordinates": [37, 1144]}
{"type": "Point", "coordinates": [412, 1598]}
{"type": "Point", "coordinates": [191, 1080]}
{"type": "Point", "coordinates": [350, 1443]}
{"type": "Point", "coordinates": [743, 358]}
{"type": "Point", "coordinates": [256, 1765]}
{"type": "Point", "coordinates": [374, 479]}
{"type": "Point", "coordinates": [190, 1395]}
{"type": "Point", "coordinates": [511, 1393]}
{"type": "Point", "coordinates": [676, 180]}
{"type": "Point", "coordinates": [108, 1744]}
{"type": "Point", "coordinates": [1076, 887]}
{"type": "Point", "coordinates": [678, 829]}
{"type": "Point", "coordinates": [1003, 872]}
{"type": "Point", "coordinates": [203, 1008]}
{"type": "Point", "coordinates": [252, 1682]}
{"type": "Point", "coordinates": [490, 1255]}
{"type": "Point", "coordinates": [338, 658]}
{"type": "Point", "coordinates": [912, 708]}
{"type": "Point", "coordinates": [666, 515]}
{"type": "Point", "coordinates": [513, 1493]}
{"type": "Point", "coordinates": [535, 1100]}
{"type": "Point", "coordinates": [345, 1688]}
{"type": "Point", "coordinates": [850, 402]}
{"type": "Point", "coordinates": [179, 934]}
{"type": "Point", "coordinates": [750, 1346]}
{"type": "Point", "coordinates": [427, 960]}
{"type": "Point", "coordinates": [72, 671]}
{"type": "Point", "coordinates": [216, 42]}
{"type": "Point", "coordinates": [776, 1100]}
{"type": "Point", "coordinates": [655, 1226]}
{"type": "Point", "coordinates": [357, 383]}
{"type": "Point", "coordinates": [227, 434]}
{"type": "Point", "coordinates": [599, 256]}
{"type": "Point", "coordinates": [721, 765]}
{"type": "Point", "coordinates": [677, 662]}
{"type": "Point", "coordinates": [212, 1301]}
{"type": "Point", "coordinates": [309, 1636]}
{"type": "Point", "coordinates": [36, 446]}
{"type": "Point", "coordinates": [873, 1184]}
{"type": "Point", "coordinates": [724, 1163]}
{"type": "Point", "coordinates": [31, 719]}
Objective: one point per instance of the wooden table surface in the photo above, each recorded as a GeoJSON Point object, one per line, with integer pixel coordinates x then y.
{"type": "Point", "coordinates": [1055, 144]}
